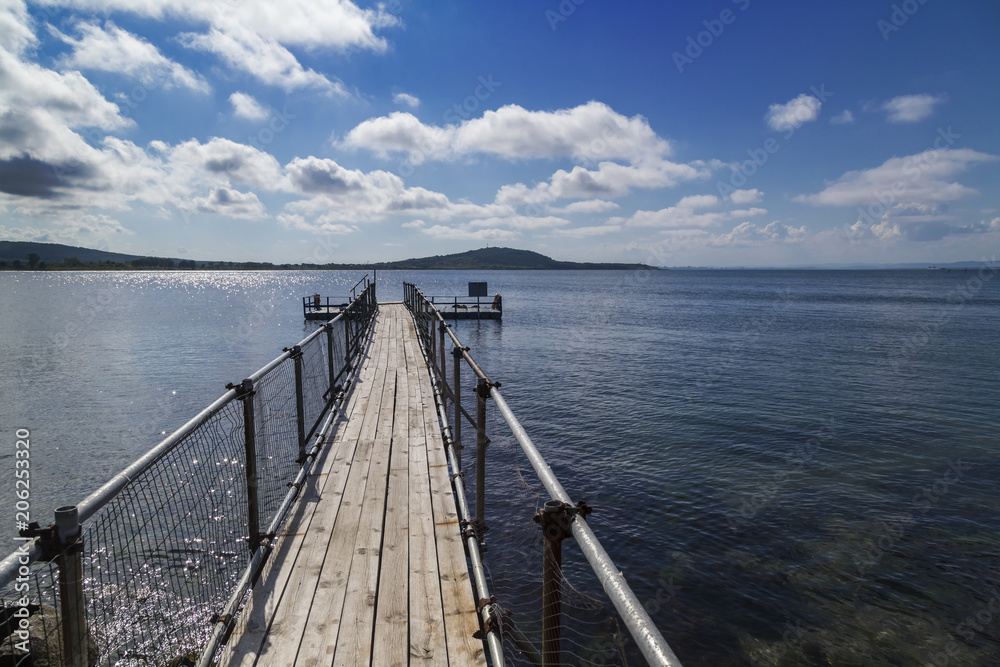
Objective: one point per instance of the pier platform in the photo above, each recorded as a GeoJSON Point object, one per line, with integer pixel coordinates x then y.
{"type": "Point", "coordinates": [370, 568]}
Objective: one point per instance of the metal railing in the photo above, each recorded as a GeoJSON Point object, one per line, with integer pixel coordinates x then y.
{"type": "Point", "coordinates": [559, 518]}
{"type": "Point", "coordinates": [151, 568]}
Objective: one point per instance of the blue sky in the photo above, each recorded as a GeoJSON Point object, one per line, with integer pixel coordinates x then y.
{"type": "Point", "coordinates": [734, 132]}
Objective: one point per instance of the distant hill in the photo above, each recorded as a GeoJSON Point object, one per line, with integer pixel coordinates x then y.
{"type": "Point", "coordinates": [496, 258]}
{"type": "Point", "coordinates": [54, 253]}
{"type": "Point", "coordinates": [483, 259]}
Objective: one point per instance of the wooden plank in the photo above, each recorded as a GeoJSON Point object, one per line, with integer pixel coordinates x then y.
{"type": "Point", "coordinates": [354, 643]}
{"type": "Point", "coordinates": [294, 623]}
{"type": "Point", "coordinates": [391, 644]}
{"type": "Point", "coordinates": [427, 641]}
{"type": "Point", "coordinates": [330, 475]}
{"type": "Point", "coordinates": [459, 607]}
{"type": "Point", "coordinates": [320, 639]}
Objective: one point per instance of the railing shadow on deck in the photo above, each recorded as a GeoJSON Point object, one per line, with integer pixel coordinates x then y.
{"type": "Point", "coordinates": [559, 518]}
{"type": "Point", "coordinates": [151, 568]}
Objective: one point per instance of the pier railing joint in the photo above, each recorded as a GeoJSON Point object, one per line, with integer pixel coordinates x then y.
{"type": "Point", "coordinates": [48, 540]}
{"type": "Point", "coordinates": [244, 390]}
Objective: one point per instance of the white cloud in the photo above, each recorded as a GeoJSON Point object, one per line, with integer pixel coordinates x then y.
{"type": "Point", "coordinates": [15, 26]}
{"type": "Point", "coordinates": [466, 234]}
{"type": "Point", "coordinates": [335, 24]}
{"type": "Point", "coordinates": [414, 224]}
{"type": "Point", "coordinates": [245, 106]}
{"type": "Point", "coordinates": [231, 203]}
{"type": "Point", "coordinates": [71, 228]}
{"type": "Point", "coordinates": [587, 232]}
{"type": "Point", "coordinates": [223, 162]}
{"type": "Point", "coordinates": [740, 197]}
{"type": "Point", "coordinates": [405, 99]}
{"type": "Point", "coordinates": [911, 108]}
{"type": "Point", "coordinates": [683, 215]}
{"type": "Point", "coordinates": [111, 49]}
{"type": "Point", "coordinates": [337, 194]}
{"type": "Point", "coordinates": [293, 221]}
{"type": "Point", "coordinates": [793, 114]}
{"type": "Point", "coordinates": [698, 201]}
{"type": "Point", "coordinates": [589, 132]}
{"type": "Point", "coordinates": [520, 222]}
{"type": "Point", "coordinates": [586, 206]}
{"type": "Point", "coordinates": [263, 58]}
{"type": "Point", "coordinates": [610, 179]}
{"type": "Point", "coordinates": [843, 118]}
{"type": "Point", "coordinates": [915, 179]}
{"type": "Point", "coordinates": [748, 233]}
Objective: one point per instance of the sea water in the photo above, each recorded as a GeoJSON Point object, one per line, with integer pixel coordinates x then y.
{"type": "Point", "coordinates": [790, 467]}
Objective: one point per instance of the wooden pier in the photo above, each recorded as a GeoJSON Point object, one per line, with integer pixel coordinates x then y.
{"type": "Point", "coordinates": [370, 568]}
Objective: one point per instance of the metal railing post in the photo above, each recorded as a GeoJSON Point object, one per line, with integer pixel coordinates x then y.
{"type": "Point", "coordinates": [482, 393]}
{"type": "Point", "coordinates": [456, 354]}
{"type": "Point", "coordinates": [442, 327]}
{"type": "Point", "coordinates": [555, 518]}
{"type": "Point", "coordinates": [245, 393]}
{"type": "Point", "coordinates": [331, 368]}
{"type": "Point", "coordinates": [71, 602]}
{"type": "Point", "coordinates": [300, 408]}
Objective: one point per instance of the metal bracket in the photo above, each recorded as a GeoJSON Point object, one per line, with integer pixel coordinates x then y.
{"type": "Point", "coordinates": [296, 351]}
{"type": "Point", "coordinates": [244, 390]}
{"type": "Point", "coordinates": [483, 387]}
{"type": "Point", "coordinates": [556, 518]}
{"type": "Point", "coordinates": [474, 528]}
{"type": "Point", "coordinates": [485, 601]}
{"type": "Point", "coordinates": [48, 539]}
{"type": "Point", "coordinates": [492, 624]}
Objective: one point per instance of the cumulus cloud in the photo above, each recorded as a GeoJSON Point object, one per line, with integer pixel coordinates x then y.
{"type": "Point", "coordinates": [111, 49]}
{"type": "Point", "coordinates": [684, 216]}
{"type": "Point", "coordinates": [15, 27]}
{"type": "Point", "coordinates": [911, 108]}
{"type": "Point", "coordinates": [231, 203]}
{"type": "Point", "coordinates": [337, 194]}
{"type": "Point", "coordinates": [741, 197]}
{"type": "Point", "coordinates": [405, 99]}
{"type": "Point", "coordinates": [589, 132]}
{"type": "Point", "coordinates": [336, 24]}
{"type": "Point", "coordinates": [609, 179]}
{"type": "Point", "coordinates": [748, 233]}
{"type": "Point", "coordinates": [586, 206]}
{"type": "Point", "coordinates": [793, 114]}
{"type": "Point", "coordinates": [915, 179]}
{"type": "Point", "coordinates": [261, 57]}
{"type": "Point", "coordinates": [245, 106]}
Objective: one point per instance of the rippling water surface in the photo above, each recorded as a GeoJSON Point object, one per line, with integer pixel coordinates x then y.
{"type": "Point", "coordinates": [791, 467]}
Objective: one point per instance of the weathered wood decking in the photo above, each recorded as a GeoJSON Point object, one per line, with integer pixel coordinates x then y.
{"type": "Point", "coordinates": [370, 569]}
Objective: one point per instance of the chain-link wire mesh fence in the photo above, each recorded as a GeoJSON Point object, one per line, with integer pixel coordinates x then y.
{"type": "Point", "coordinates": [167, 543]}
{"type": "Point", "coordinates": [585, 627]}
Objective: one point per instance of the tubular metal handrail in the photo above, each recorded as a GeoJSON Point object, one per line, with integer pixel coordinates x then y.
{"type": "Point", "coordinates": [357, 320]}
{"type": "Point", "coordinates": [645, 633]}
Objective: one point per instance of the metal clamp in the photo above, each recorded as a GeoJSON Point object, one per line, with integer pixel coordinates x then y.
{"type": "Point", "coordinates": [556, 518]}
{"type": "Point", "coordinates": [244, 389]}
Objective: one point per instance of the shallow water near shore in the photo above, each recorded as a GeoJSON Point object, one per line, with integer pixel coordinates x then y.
{"type": "Point", "coordinates": [790, 467]}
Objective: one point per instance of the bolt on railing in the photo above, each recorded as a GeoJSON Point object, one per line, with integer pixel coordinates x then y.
{"type": "Point", "coordinates": [559, 519]}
